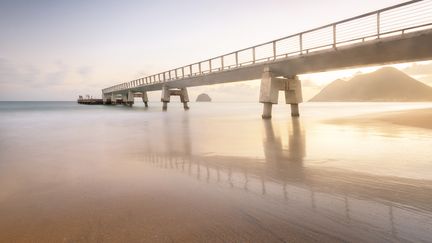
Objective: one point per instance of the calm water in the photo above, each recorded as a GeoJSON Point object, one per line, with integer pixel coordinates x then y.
{"type": "Point", "coordinates": [214, 173]}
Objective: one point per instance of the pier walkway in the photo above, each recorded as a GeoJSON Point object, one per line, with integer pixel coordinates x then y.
{"type": "Point", "coordinates": [397, 34]}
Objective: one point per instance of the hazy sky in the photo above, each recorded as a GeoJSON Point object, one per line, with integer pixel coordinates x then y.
{"type": "Point", "coordinates": [56, 50]}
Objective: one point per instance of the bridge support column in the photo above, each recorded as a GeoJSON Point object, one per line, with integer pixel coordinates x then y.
{"type": "Point", "coordinates": [130, 98]}
{"type": "Point", "coordinates": [165, 97]}
{"type": "Point", "coordinates": [124, 99]}
{"type": "Point", "coordinates": [293, 94]}
{"type": "Point", "coordinates": [269, 92]}
{"type": "Point", "coordinates": [167, 93]}
{"type": "Point", "coordinates": [145, 98]}
{"type": "Point", "coordinates": [267, 110]}
{"type": "Point", "coordinates": [104, 98]}
{"type": "Point", "coordinates": [113, 99]}
{"type": "Point", "coordinates": [184, 98]}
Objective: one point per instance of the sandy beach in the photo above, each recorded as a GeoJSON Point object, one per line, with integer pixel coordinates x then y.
{"type": "Point", "coordinates": [140, 175]}
{"type": "Point", "coordinates": [421, 118]}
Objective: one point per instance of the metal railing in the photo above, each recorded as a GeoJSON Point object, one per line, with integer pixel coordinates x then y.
{"type": "Point", "coordinates": [395, 20]}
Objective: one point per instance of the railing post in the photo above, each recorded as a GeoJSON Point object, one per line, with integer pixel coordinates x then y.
{"type": "Point", "coordinates": [334, 36]}
{"type": "Point", "coordinates": [164, 78]}
{"type": "Point", "coordinates": [222, 62]}
{"type": "Point", "coordinates": [236, 57]}
{"type": "Point", "coordinates": [301, 43]}
{"type": "Point", "coordinates": [274, 50]}
{"type": "Point", "coordinates": [199, 67]}
{"type": "Point", "coordinates": [210, 66]}
{"type": "Point", "coordinates": [176, 76]}
{"type": "Point", "coordinates": [169, 74]}
{"type": "Point", "coordinates": [253, 54]}
{"type": "Point", "coordinates": [182, 72]}
{"type": "Point", "coordinates": [190, 70]}
{"type": "Point", "coordinates": [378, 24]}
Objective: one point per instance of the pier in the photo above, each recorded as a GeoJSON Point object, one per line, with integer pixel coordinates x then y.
{"type": "Point", "coordinates": [397, 34]}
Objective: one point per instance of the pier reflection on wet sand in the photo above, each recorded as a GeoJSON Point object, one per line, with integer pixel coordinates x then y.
{"type": "Point", "coordinates": [338, 203]}
{"type": "Point", "coordinates": [193, 177]}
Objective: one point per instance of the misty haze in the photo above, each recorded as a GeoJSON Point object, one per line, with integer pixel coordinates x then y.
{"type": "Point", "coordinates": [216, 121]}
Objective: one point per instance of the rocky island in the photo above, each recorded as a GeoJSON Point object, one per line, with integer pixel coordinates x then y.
{"type": "Point", "coordinates": [203, 98]}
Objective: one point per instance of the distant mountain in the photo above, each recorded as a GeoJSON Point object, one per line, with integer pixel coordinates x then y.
{"type": "Point", "coordinates": [385, 84]}
{"type": "Point", "coordinates": [203, 98]}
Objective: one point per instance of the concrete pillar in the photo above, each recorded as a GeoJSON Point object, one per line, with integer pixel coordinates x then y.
{"type": "Point", "coordinates": [267, 110]}
{"type": "Point", "coordinates": [104, 98]}
{"type": "Point", "coordinates": [124, 99]}
{"type": "Point", "coordinates": [145, 98]}
{"type": "Point", "coordinates": [184, 98]}
{"type": "Point", "coordinates": [165, 97]}
{"type": "Point", "coordinates": [113, 99]}
{"type": "Point", "coordinates": [293, 95]}
{"type": "Point", "coordinates": [269, 93]}
{"type": "Point", "coordinates": [130, 98]}
{"type": "Point", "coordinates": [295, 110]}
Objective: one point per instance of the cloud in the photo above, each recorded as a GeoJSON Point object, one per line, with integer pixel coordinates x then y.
{"type": "Point", "coordinates": [84, 71]}
{"type": "Point", "coordinates": [419, 69]}
{"type": "Point", "coordinates": [53, 81]}
{"type": "Point", "coordinates": [13, 74]}
{"type": "Point", "coordinates": [311, 84]}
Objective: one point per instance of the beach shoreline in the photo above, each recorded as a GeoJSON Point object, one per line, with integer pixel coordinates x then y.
{"type": "Point", "coordinates": [420, 118]}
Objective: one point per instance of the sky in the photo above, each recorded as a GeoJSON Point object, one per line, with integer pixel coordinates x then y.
{"type": "Point", "coordinates": [58, 49]}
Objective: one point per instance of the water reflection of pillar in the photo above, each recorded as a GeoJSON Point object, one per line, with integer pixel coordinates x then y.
{"type": "Point", "coordinates": [285, 163]}
{"type": "Point", "coordinates": [175, 143]}
{"type": "Point", "coordinates": [187, 147]}
{"type": "Point", "coordinates": [297, 143]}
{"type": "Point", "coordinates": [393, 228]}
{"type": "Point", "coordinates": [230, 177]}
{"type": "Point", "coordinates": [198, 170]}
{"type": "Point", "coordinates": [259, 181]}
{"type": "Point", "coordinates": [208, 173]}
{"type": "Point", "coordinates": [246, 180]}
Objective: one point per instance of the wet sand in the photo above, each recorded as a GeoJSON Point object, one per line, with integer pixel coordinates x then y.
{"type": "Point", "coordinates": [421, 118]}
{"type": "Point", "coordinates": [201, 176]}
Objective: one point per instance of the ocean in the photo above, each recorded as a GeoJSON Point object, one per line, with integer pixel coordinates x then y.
{"type": "Point", "coordinates": [216, 172]}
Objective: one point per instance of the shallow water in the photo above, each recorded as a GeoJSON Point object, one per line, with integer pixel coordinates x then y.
{"type": "Point", "coordinates": [217, 172]}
